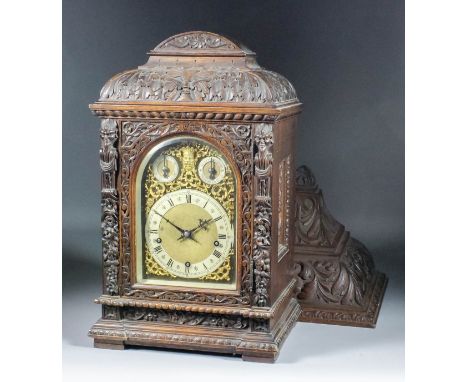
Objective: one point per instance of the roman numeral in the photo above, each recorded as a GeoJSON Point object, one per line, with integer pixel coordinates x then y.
{"type": "Point", "coordinates": [154, 231]}
{"type": "Point", "coordinates": [205, 266]}
{"type": "Point", "coordinates": [158, 249]}
{"type": "Point", "coordinates": [221, 236]}
{"type": "Point", "coordinates": [217, 253]}
{"type": "Point", "coordinates": [205, 204]}
{"type": "Point", "coordinates": [170, 262]}
{"type": "Point", "coordinates": [189, 198]}
{"type": "Point", "coordinates": [218, 218]}
{"type": "Point", "coordinates": [171, 202]}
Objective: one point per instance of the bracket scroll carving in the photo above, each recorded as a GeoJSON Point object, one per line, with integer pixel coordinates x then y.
{"type": "Point", "coordinates": [263, 212]}
{"type": "Point", "coordinates": [315, 226]}
{"type": "Point", "coordinates": [109, 205]}
{"type": "Point", "coordinates": [336, 278]}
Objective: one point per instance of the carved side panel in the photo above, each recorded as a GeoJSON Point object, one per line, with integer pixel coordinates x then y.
{"type": "Point", "coordinates": [109, 206]}
{"type": "Point", "coordinates": [284, 206]}
{"type": "Point", "coordinates": [263, 212]}
{"type": "Point", "coordinates": [136, 136]}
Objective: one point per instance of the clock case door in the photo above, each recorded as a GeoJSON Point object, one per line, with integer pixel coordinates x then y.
{"type": "Point", "coordinates": [231, 286]}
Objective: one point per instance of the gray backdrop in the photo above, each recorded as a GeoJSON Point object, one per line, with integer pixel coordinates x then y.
{"type": "Point", "coordinates": [345, 59]}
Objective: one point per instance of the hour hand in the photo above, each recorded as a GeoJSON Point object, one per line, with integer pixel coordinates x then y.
{"type": "Point", "coordinates": [187, 235]}
{"type": "Point", "coordinates": [201, 225]}
{"type": "Point", "coordinates": [184, 233]}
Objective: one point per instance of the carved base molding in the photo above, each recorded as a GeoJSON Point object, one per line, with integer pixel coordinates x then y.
{"type": "Point", "coordinates": [175, 329]}
{"type": "Point", "coordinates": [337, 280]}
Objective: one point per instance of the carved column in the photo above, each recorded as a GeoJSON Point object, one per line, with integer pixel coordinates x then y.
{"type": "Point", "coordinates": [263, 164]}
{"type": "Point", "coordinates": [109, 202]}
{"type": "Point", "coordinates": [337, 280]}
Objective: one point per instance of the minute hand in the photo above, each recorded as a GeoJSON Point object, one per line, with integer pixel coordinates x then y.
{"type": "Point", "coordinates": [171, 223]}
{"type": "Point", "coordinates": [185, 233]}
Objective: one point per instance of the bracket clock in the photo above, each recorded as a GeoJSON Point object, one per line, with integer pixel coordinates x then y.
{"type": "Point", "coordinates": [210, 240]}
{"type": "Point", "coordinates": [197, 160]}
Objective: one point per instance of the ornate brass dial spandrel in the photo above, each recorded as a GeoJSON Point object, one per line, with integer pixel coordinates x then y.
{"type": "Point", "coordinates": [189, 155]}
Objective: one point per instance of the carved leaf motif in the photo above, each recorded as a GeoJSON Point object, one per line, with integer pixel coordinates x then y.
{"type": "Point", "coordinates": [186, 318]}
{"type": "Point", "coordinates": [343, 281]}
{"type": "Point", "coordinates": [212, 84]}
{"type": "Point", "coordinates": [315, 226]}
{"type": "Point", "coordinates": [197, 40]}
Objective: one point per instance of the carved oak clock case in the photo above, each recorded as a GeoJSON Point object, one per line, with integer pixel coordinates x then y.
{"type": "Point", "coordinates": [198, 189]}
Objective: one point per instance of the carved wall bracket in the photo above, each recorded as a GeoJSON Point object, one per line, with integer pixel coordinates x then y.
{"type": "Point", "coordinates": [337, 279]}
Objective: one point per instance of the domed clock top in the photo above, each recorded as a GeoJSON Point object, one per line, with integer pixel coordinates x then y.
{"type": "Point", "coordinates": [200, 67]}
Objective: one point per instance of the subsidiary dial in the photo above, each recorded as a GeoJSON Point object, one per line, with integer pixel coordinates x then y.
{"type": "Point", "coordinates": [211, 170]}
{"type": "Point", "coordinates": [165, 168]}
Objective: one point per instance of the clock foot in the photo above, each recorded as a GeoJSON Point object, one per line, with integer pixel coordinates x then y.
{"type": "Point", "coordinates": [252, 358]}
{"type": "Point", "coordinates": [107, 344]}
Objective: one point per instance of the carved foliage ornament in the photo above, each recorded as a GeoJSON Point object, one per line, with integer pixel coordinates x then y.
{"type": "Point", "coordinates": [197, 40]}
{"type": "Point", "coordinates": [109, 218]}
{"type": "Point", "coordinates": [345, 276]}
{"type": "Point", "coordinates": [315, 226]}
{"type": "Point", "coordinates": [186, 318]}
{"type": "Point", "coordinates": [263, 161]}
{"type": "Point", "coordinates": [136, 136]}
{"type": "Point", "coordinates": [210, 84]}
{"type": "Point", "coordinates": [343, 281]}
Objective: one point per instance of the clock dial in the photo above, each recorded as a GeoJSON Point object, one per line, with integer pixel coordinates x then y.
{"type": "Point", "coordinates": [186, 216]}
{"type": "Point", "coordinates": [165, 168]}
{"type": "Point", "coordinates": [211, 170]}
{"type": "Point", "coordinates": [189, 233]}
